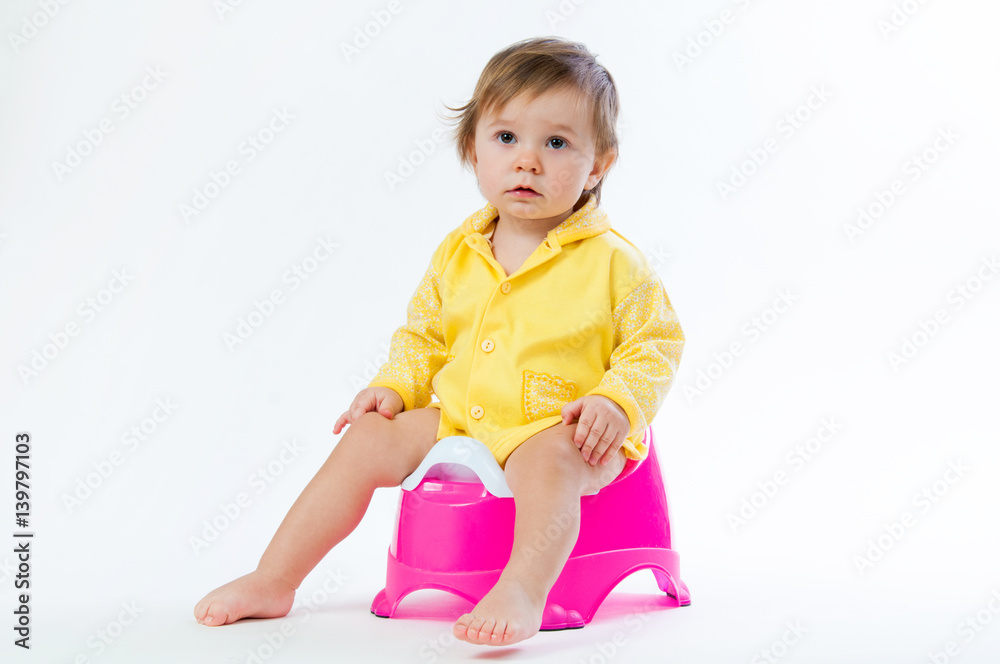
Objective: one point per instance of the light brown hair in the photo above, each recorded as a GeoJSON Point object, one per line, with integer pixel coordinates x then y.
{"type": "Point", "coordinates": [534, 66]}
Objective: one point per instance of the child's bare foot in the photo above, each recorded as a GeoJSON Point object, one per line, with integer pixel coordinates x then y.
{"type": "Point", "coordinates": [506, 615]}
{"type": "Point", "coordinates": [254, 595]}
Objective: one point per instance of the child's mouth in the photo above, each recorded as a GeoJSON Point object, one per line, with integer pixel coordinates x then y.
{"type": "Point", "coordinates": [523, 192]}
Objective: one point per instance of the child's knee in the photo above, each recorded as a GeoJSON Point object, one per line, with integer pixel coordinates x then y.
{"type": "Point", "coordinates": [389, 450]}
{"type": "Point", "coordinates": [548, 454]}
{"type": "Point", "coordinates": [365, 427]}
{"type": "Point", "coordinates": [552, 457]}
{"type": "Point", "coordinates": [365, 437]}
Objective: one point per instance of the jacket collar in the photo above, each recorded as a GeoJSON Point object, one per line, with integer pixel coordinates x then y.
{"type": "Point", "coordinates": [588, 221]}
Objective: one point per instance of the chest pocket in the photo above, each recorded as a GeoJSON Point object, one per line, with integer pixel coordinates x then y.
{"type": "Point", "coordinates": [543, 395]}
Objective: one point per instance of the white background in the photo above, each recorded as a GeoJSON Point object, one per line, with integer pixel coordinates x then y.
{"type": "Point", "coordinates": [723, 259]}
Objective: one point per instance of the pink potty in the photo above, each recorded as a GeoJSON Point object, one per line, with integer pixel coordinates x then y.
{"type": "Point", "coordinates": [440, 542]}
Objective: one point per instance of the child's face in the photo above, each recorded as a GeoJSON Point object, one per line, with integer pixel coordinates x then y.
{"type": "Point", "coordinates": [547, 145]}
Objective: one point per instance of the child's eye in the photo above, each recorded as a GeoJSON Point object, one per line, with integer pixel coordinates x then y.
{"type": "Point", "coordinates": [506, 137]}
{"type": "Point", "coordinates": [557, 143]}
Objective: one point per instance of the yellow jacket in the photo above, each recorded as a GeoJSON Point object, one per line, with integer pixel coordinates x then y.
{"type": "Point", "coordinates": [585, 314]}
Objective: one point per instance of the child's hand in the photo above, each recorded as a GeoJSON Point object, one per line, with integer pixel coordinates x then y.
{"type": "Point", "coordinates": [602, 429]}
{"type": "Point", "coordinates": [387, 402]}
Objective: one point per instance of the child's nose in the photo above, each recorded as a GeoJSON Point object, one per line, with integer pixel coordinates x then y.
{"type": "Point", "coordinates": [527, 160]}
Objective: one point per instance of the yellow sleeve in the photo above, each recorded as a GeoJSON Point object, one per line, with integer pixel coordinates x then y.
{"type": "Point", "coordinates": [648, 346]}
{"type": "Point", "coordinates": [417, 350]}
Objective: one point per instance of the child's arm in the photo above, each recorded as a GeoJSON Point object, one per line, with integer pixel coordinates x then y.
{"type": "Point", "coordinates": [418, 350]}
{"type": "Point", "coordinates": [648, 346]}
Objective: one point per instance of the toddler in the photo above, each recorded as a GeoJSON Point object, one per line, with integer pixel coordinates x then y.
{"type": "Point", "coordinates": [543, 333]}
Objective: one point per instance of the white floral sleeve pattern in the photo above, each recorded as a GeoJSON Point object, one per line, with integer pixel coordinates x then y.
{"type": "Point", "coordinates": [648, 346]}
{"type": "Point", "coordinates": [417, 351]}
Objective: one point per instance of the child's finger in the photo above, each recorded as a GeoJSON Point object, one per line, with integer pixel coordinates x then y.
{"type": "Point", "coordinates": [610, 452]}
{"type": "Point", "coordinates": [582, 430]}
{"type": "Point", "coordinates": [387, 407]}
{"type": "Point", "coordinates": [357, 410]}
{"type": "Point", "coordinates": [571, 411]}
{"type": "Point", "coordinates": [593, 439]}
{"type": "Point", "coordinates": [341, 421]}
{"type": "Point", "coordinates": [616, 444]}
{"type": "Point", "coordinates": [604, 441]}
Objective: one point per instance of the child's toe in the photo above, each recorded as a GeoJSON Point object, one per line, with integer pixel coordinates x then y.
{"type": "Point", "coordinates": [476, 629]}
{"type": "Point", "coordinates": [497, 638]}
{"type": "Point", "coordinates": [201, 611]}
{"type": "Point", "coordinates": [461, 626]}
{"type": "Point", "coordinates": [483, 629]}
{"type": "Point", "coordinates": [216, 615]}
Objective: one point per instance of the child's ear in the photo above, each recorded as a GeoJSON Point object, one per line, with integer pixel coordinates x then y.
{"type": "Point", "coordinates": [602, 164]}
{"type": "Point", "coordinates": [471, 151]}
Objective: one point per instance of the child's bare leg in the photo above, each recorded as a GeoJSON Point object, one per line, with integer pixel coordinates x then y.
{"type": "Point", "coordinates": [374, 452]}
{"type": "Point", "coordinates": [547, 475]}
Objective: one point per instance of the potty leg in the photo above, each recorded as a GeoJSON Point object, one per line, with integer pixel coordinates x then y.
{"type": "Point", "coordinates": [674, 587]}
